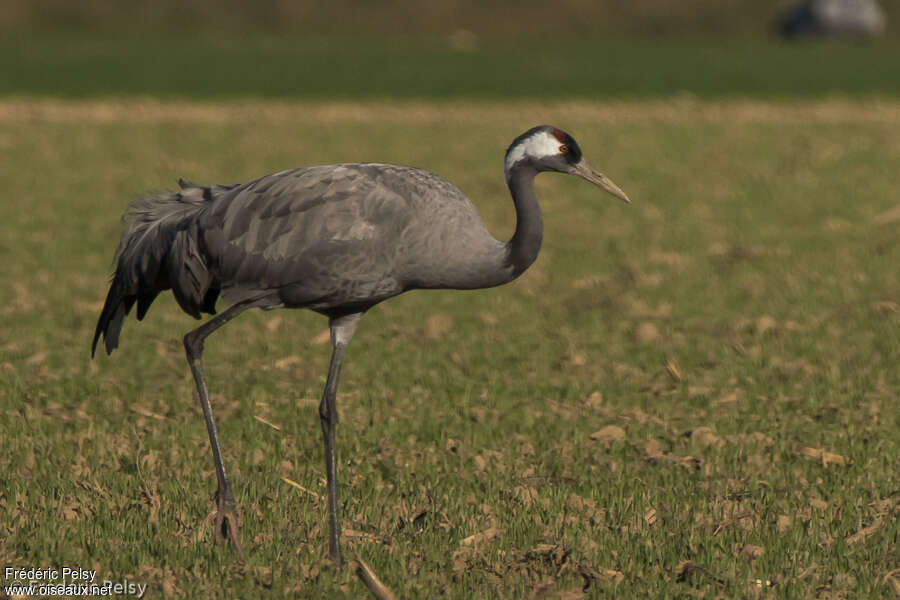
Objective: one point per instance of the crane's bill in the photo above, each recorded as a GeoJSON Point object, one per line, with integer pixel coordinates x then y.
{"type": "Point", "coordinates": [589, 173]}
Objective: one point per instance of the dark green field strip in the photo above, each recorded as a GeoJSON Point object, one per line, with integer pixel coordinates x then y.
{"type": "Point", "coordinates": [546, 68]}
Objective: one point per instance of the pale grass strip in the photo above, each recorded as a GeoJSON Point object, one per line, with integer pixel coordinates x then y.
{"type": "Point", "coordinates": [300, 487]}
{"type": "Point", "coordinates": [368, 577]}
{"type": "Point", "coordinates": [865, 532]}
{"type": "Point", "coordinates": [146, 412]}
{"type": "Point", "coordinates": [675, 109]}
{"type": "Point", "coordinates": [265, 421]}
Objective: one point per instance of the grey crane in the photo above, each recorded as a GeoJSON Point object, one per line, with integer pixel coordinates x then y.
{"type": "Point", "coordinates": [336, 239]}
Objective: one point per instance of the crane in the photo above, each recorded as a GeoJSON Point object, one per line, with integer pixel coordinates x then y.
{"type": "Point", "coordinates": [335, 239]}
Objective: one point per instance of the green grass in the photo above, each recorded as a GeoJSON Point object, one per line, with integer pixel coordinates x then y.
{"type": "Point", "coordinates": [551, 67]}
{"type": "Point", "coordinates": [758, 260]}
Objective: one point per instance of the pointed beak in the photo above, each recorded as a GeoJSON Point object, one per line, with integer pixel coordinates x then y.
{"type": "Point", "coordinates": [589, 173]}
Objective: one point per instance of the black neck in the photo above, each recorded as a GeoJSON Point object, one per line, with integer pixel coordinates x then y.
{"type": "Point", "coordinates": [523, 247]}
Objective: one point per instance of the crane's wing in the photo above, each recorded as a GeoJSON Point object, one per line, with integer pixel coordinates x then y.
{"type": "Point", "coordinates": [321, 236]}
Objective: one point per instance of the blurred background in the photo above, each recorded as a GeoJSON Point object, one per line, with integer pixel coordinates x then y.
{"type": "Point", "coordinates": [707, 376]}
{"type": "Point", "coordinates": [489, 19]}
{"type": "Point", "coordinates": [452, 48]}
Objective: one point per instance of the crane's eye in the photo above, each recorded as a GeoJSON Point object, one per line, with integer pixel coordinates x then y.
{"type": "Point", "coordinates": [563, 149]}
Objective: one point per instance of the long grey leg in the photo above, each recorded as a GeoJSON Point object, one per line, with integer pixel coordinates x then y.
{"type": "Point", "coordinates": [342, 330]}
{"type": "Point", "coordinates": [226, 518]}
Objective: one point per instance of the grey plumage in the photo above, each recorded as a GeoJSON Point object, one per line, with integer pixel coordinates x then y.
{"type": "Point", "coordinates": [319, 237]}
{"type": "Point", "coordinates": [335, 239]}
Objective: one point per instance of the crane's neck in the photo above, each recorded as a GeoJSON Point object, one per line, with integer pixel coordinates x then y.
{"type": "Point", "coordinates": [522, 249]}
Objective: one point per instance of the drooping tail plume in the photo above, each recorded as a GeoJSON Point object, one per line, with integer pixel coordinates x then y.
{"type": "Point", "coordinates": [158, 251]}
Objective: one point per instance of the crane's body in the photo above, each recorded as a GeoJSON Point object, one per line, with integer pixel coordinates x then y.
{"type": "Point", "coordinates": [336, 239]}
{"type": "Point", "coordinates": [328, 238]}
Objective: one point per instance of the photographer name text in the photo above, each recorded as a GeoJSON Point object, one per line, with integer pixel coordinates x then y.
{"type": "Point", "coordinates": [66, 581]}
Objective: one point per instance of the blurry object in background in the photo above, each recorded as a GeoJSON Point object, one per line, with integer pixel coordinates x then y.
{"type": "Point", "coordinates": [494, 20]}
{"type": "Point", "coordinates": [856, 19]}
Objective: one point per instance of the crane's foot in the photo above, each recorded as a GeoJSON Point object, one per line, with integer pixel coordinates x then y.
{"type": "Point", "coordinates": [226, 523]}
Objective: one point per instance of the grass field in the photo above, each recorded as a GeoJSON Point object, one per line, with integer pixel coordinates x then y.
{"type": "Point", "coordinates": [552, 67]}
{"type": "Point", "coordinates": [691, 396]}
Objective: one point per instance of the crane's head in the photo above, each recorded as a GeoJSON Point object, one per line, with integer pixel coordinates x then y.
{"type": "Point", "coordinates": [546, 148]}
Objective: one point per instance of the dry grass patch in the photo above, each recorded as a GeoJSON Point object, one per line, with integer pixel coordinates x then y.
{"type": "Point", "coordinates": [674, 110]}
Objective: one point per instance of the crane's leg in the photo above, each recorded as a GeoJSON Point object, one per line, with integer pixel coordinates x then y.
{"type": "Point", "coordinates": [226, 518]}
{"type": "Point", "coordinates": [342, 330]}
